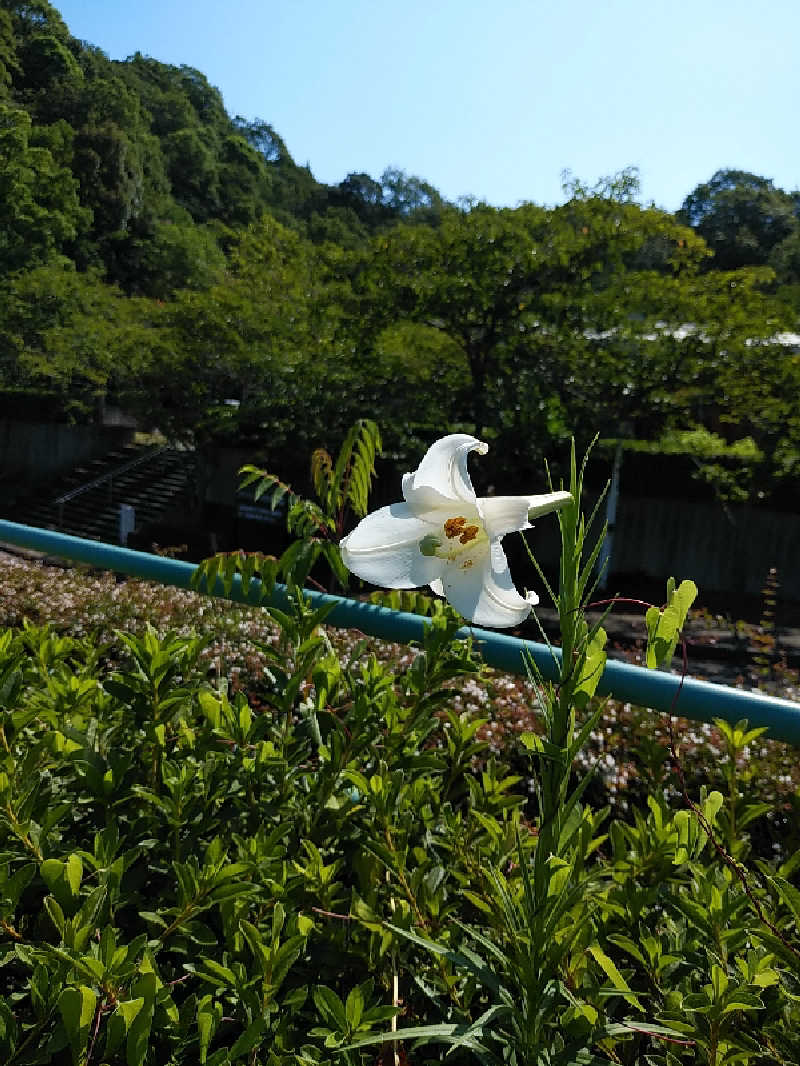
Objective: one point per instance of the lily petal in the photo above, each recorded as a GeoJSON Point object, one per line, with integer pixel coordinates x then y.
{"type": "Point", "coordinates": [485, 593]}
{"type": "Point", "coordinates": [442, 477]}
{"type": "Point", "coordinates": [550, 501]}
{"type": "Point", "coordinates": [509, 514]}
{"type": "Point", "coordinates": [384, 549]}
{"type": "Point", "coordinates": [504, 514]}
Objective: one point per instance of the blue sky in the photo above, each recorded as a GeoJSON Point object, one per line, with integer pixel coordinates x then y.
{"type": "Point", "coordinates": [492, 98]}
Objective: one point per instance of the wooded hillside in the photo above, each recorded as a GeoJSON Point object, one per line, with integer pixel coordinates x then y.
{"type": "Point", "coordinates": [159, 253]}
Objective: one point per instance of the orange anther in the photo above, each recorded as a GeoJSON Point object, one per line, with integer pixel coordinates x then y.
{"type": "Point", "coordinates": [454, 527]}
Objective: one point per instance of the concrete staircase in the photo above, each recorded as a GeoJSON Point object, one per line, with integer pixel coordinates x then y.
{"type": "Point", "coordinates": [85, 502]}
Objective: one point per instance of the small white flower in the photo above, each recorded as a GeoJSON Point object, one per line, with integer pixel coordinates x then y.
{"type": "Point", "coordinates": [443, 536]}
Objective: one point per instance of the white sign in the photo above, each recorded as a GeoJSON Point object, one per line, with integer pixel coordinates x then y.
{"type": "Point", "coordinates": [127, 521]}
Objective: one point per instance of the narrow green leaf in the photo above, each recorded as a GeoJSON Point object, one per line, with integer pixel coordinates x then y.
{"type": "Point", "coordinates": [73, 872]}
{"type": "Point", "coordinates": [55, 913]}
{"type": "Point", "coordinates": [628, 945]}
{"type": "Point", "coordinates": [144, 987]}
{"type": "Point", "coordinates": [617, 980]}
{"type": "Point", "coordinates": [249, 1039]}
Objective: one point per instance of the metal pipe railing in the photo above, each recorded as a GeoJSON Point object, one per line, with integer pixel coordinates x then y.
{"type": "Point", "coordinates": [117, 471]}
{"type": "Point", "coordinates": [698, 700]}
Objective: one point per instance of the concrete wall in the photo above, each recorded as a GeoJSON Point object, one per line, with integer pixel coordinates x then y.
{"type": "Point", "coordinates": [39, 450]}
{"type": "Point", "coordinates": [722, 552]}
{"type": "Point", "coordinates": [219, 474]}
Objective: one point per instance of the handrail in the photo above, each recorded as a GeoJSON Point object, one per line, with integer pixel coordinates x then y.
{"type": "Point", "coordinates": [110, 475]}
{"type": "Point", "coordinates": [698, 700]}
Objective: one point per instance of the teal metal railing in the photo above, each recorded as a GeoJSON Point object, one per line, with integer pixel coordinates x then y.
{"type": "Point", "coordinates": [698, 700]}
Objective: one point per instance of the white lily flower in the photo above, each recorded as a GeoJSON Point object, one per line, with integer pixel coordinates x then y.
{"type": "Point", "coordinates": [443, 536]}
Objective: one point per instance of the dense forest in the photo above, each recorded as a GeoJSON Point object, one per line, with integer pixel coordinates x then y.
{"type": "Point", "coordinates": [157, 253]}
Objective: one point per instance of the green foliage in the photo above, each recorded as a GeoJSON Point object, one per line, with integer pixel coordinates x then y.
{"type": "Point", "coordinates": [699, 442]}
{"type": "Point", "coordinates": [253, 572]}
{"type": "Point", "coordinates": [39, 209]}
{"type": "Point", "coordinates": [538, 926]}
{"type": "Point", "coordinates": [742, 216]}
{"type": "Point", "coordinates": [275, 865]}
{"type": "Point", "coordinates": [345, 484]}
{"type": "Point", "coordinates": [664, 625]}
{"type": "Point", "coordinates": [70, 332]}
{"type": "Point", "coordinates": [409, 600]}
{"type": "Point", "coordinates": [203, 949]}
{"type": "Point", "coordinates": [526, 325]}
{"type": "Point", "coordinates": [316, 527]}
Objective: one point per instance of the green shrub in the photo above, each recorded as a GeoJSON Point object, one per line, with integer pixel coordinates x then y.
{"type": "Point", "coordinates": [279, 859]}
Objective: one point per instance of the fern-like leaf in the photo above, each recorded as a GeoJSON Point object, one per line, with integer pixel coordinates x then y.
{"type": "Point", "coordinates": [355, 467]}
{"type": "Point", "coordinates": [265, 483]}
{"type": "Point", "coordinates": [306, 520]}
{"type": "Point", "coordinates": [258, 573]}
{"type": "Point", "coordinates": [322, 476]}
{"type": "Point", "coordinates": [410, 601]}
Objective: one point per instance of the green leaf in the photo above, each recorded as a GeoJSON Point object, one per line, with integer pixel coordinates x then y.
{"type": "Point", "coordinates": [52, 872]}
{"type": "Point", "coordinates": [592, 669]}
{"type": "Point", "coordinates": [145, 987]}
{"type": "Point", "coordinates": [460, 1035]}
{"type": "Point", "coordinates": [217, 973]}
{"type": "Point", "coordinates": [713, 805]}
{"type": "Point", "coordinates": [73, 872]}
{"type": "Point", "coordinates": [789, 894]}
{"type": "Point", "coordinates": [696, 1001]}
{"type": "Point", "coordinates": [330, 1007]}
{"type": "Point", "coordinates": [285, 957]}
{"type": "Point", "coordinates": [55, 913]}
{"type": "Point", "coordinates": [77, 1006]}
{"type": "Point", "coordinates": [249, 1039]}
{"type": "Point", "coordinates": [120, 1022]}
{"type": "Point", "coordinates": [664, 626]}
{"type": "Point", "coordinates": [741, 1000]}
{"type": "Point", "coordinates": [129, 1010]}
{"type": "Point", "coordinates": [354, 1007]}
{"type": "Point", "coordinates": [210, 706]}
{"type": "Point", "coordinates": [209, 1015]}
{"type": "Point", "coordinates": [617, 980]}
{"type": "Point", "coordinates": [540, 745]}
{"type": "Point", "coordinates": [8, 1027]}
{"type": "Point", "coordinates": [628, 945]}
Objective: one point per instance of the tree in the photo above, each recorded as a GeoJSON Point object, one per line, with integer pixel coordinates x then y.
{"type": "Point", "coordinates": [162, 257]}
{"type": "Point", "coordinates": [408, 196]}
{"type": "Point", "coordinates": [109, 166]}
{"type": "Point", "coordinates": [243, 182]}
{"type": "Point", "coordinates": [264, 138]}
{"type": "Point", "coordinates": [254, 338]}
{"type": "Point", "coordinates": [39, 209]}
{"type": "Point", "coordinates": [363, 195]}
{"type": "Point", "coordinates": [193, 170]}
{"type": "Point", "coordinates": [756, 377]}
{"type": "Point", "coordinates": [71, 332]}
{"type": "Point", "coordinates": [742, 216]}
{"type": "Point", "coordinates": [9, 64]}
{"type": "Point", "coordinates": [45, 61]}
{"type": "Point", "coordinates": [785, 261]}
{"type": "Point", "coordinates": [519, 292]}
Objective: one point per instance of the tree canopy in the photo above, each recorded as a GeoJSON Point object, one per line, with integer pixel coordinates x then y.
{"type": "Point", "coordinates": [157, 250]}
